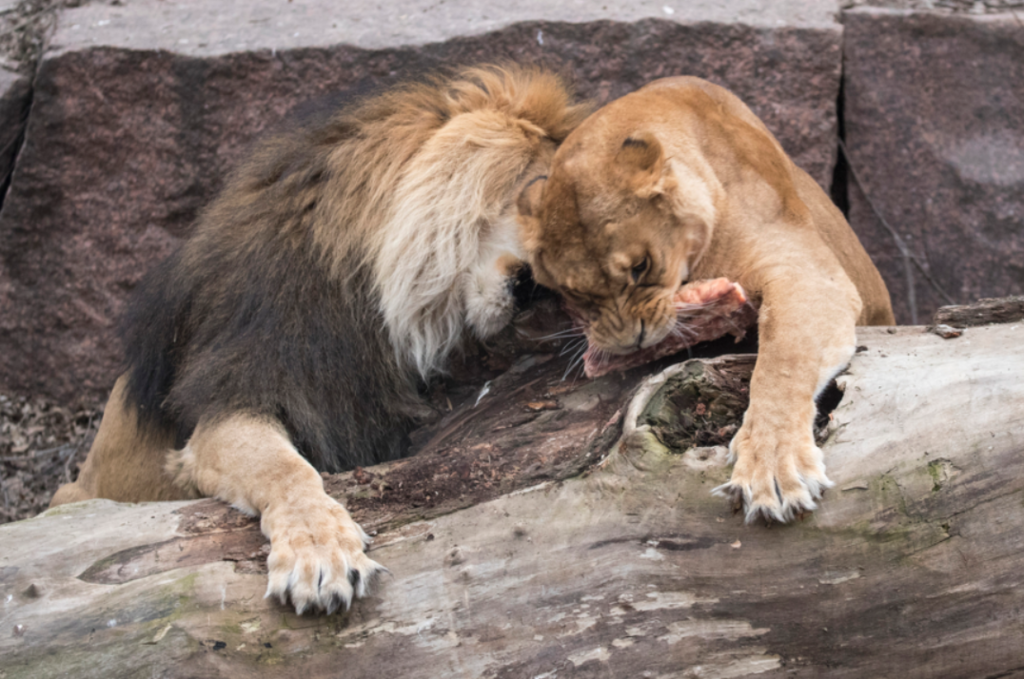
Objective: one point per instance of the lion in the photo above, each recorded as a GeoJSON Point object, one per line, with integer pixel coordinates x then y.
{"type": "Point", "coordinates": [680, 181]}
{"type": "Point", "coordinates": [332, 277]}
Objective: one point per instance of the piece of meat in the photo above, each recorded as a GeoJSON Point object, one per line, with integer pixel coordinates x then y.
{"type": "Point", "coordinates": [705, 310]}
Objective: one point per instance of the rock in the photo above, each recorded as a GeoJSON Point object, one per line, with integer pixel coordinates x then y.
{"type": "Point", "coordinates": [934, 123]}
{"type": "Point", "coordinates": [15, 97]}
{"type": "Point", "coordinates": [139, 109]}
{"type": "Point", "coordinates": [946, 332]}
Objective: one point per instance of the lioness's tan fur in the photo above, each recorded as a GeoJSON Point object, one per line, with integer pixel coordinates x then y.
{"type": "Point", "coordinates": [681, 181]}
{"type": "Point", "coordinates": [341, 264]}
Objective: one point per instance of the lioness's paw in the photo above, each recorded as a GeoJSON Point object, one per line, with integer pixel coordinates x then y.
{"type": "Point", "coordinates": [316, 557]}
{"type": "Point", "coordinates": [774, 480]}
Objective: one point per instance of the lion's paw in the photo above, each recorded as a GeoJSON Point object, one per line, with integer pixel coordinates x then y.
{"type": "Point", "coordinates": [316, 557]}
{"type": "Point", "coordinates": [774, 479]}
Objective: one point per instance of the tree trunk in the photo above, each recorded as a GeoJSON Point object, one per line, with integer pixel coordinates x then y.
{"type": "Point", "coordinates": [554, 528]}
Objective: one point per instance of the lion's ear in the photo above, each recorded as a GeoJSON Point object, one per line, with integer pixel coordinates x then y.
{"type": "Point", "coordinates": [643, 159]}
{"type": "Point", "coordinates": [528, 205]}
{"type": "Point", "coordinates": [529, 198]}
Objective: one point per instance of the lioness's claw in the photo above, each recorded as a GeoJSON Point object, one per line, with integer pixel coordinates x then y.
{"type": "Point", "coordinates": [771, 507]}
{"type": "Point", "coordinates": [775, 492]}
{"type": "Point", "coordinates": [733, 494]}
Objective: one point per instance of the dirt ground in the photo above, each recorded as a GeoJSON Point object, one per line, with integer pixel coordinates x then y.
{"type": "Point", "coordinates": [41, 446]}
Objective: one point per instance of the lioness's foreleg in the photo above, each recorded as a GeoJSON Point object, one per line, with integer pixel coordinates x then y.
{"type": "Point", "coordinates": [807, 335]}
{"type": "Point", "coordinates": [316, 549]}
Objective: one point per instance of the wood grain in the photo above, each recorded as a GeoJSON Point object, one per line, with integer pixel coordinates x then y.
{"type": "Point", "coordinates": [610, 559]}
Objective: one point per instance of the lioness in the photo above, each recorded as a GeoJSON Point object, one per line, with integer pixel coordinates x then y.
{"type": "Point", "coordinates": [678, 181]}
{"type": "Point", "coordinates": [339, 267]}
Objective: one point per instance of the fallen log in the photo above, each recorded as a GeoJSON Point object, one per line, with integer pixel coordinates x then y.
{"type": "Point", "coordinates": [982, 312]}
{"type": "Point", "coordinates": [565, 528]}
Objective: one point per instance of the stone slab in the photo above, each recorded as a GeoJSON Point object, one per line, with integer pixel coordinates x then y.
{"type": "Point", "coordinates": [15, 97]}
{"type": "Point", "coordinates": [15, 93]}
{"type": "Point", "coordinates": [934, 119]}
{"type": "Point", "coordinates": [202, 28]}
{"type": "Point", "coordinates": [125, 144]}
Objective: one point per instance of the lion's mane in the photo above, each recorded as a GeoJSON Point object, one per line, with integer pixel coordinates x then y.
{"type": "Point", "coordinates": [339, 266]}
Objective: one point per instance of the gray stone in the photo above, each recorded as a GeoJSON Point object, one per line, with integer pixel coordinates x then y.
{"type": "Point", "coordinates": [950, 6]}
{"type": "Point", "coordinates": [213, 29]}
{"type": "Point", "coordinates": [15, 91]}
{"type": "Point", "coordinates": [934, 117]}
{"type": "Point", "coordinates": [132, 130]}
{"type": "Point", "coordinates": [15, 97]}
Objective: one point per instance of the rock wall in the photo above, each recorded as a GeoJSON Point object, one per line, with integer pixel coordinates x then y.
{"type": "Point", "coordinates": [139, 107]}
{"type": "Point", "coordinates": [126, 142]}
{"type": "Point", "coordinates": [934, 123]}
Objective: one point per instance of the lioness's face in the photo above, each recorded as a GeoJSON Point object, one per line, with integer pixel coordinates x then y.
{"type": "Point", "coordinates": [607, 235]}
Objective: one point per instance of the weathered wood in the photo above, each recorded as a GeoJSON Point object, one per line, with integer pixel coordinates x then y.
{"type": "Point", "coordinates": [616, 562]}
{"type": "Point", "coordinates": [982, 312]}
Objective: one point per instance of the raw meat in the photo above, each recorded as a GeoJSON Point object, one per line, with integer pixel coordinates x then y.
{"type": "Point", "coordinates": [705, 310]}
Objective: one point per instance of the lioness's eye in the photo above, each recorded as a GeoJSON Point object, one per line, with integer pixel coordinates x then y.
{"type": "Point", "coordinates": [639, 269]}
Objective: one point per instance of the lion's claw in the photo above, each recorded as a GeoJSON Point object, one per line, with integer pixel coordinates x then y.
{"type": "Point", "coordinates": [317, 560]}
{"type": "Point", "coordinates": [328, 591]}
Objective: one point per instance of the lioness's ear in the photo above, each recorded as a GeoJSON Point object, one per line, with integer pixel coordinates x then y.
{"type": "Point", "coordinates": [643, 159]}
{"type": "Point", "coordinates": [528, 205]}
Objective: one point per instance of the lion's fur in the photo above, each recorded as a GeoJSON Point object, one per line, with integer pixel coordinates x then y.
{"type": "Point", "coordinates": [343, 262]}
{"type": "Point", "coordinates": [458, 206]}
{"type": "Point", "coordinates": [338, 269]}
{"type": "Point", "coordinates": [679, 181]}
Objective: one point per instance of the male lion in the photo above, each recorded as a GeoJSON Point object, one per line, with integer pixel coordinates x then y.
{"type": "Point", "coordinates": [680, 181]}
{"type": "Point", "coordinates": [340, 266]}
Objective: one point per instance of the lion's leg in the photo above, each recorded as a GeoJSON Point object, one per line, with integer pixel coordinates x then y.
{"type": "Point", "coordinates": [125, 463]}
{"type": "Point", "coordinates": [316, 549]}
{"type": "Point", "coordinates": [807, 335]}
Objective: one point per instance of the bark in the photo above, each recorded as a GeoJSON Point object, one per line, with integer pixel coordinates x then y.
{"type": "Point", "coordinates": [565, 528]}
{"type": "Point", "coordinates": [982, 312]}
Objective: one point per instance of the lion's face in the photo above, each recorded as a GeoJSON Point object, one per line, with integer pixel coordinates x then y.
{"type": "Point", "coordinates": [613, 232]}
